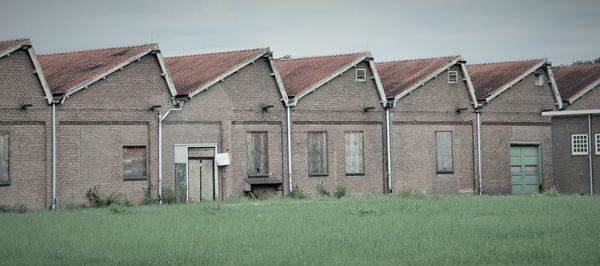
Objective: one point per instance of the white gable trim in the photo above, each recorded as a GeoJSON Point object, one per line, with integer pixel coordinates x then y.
{"type": "Point", "coordinates": [279, 81]}
{"type": "Point", "coordinates": [228, 73]}
{"type": "Point", "coordinates": [40, 73]}
{"type": "Point", "coordinates": [584, 91]}
{"type": "Point", "coordinates": [557, 97]}
{"type": "Point", "coordinates": [378, 84]}
{"type": "Point", "coordinates": [470, 87]}
{"type": "Point", "coordinates": [166, 75]}
{"type": "Point", "coordinates": [15, 47]}
{"type": "Point", "coordinates": [514, 81]}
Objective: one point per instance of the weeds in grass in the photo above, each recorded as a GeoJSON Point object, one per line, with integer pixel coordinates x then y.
{"type": "Point", "coordinates": [169, 196]}
{"type": "Point", "coordinates": [148, 199]}
{"type": "Point", "coordinates": [14, 209]}
{"type": "Point", "coordinates": [98, 201]}
{"type": "Point", "coordinates": [117, 208]}
{"type": "Point", "coordinates": [322, 191]}
{"type": "Point", "coordinates": [358, 211]}
{"type": "Point", "coordinates": [212, 209]}
{"type": "Point", "coordinates": [340, 192]}
{"type": "Point", "coordinates": [552, 192]}
{"type": "Point", "coordinates": [297, 193]}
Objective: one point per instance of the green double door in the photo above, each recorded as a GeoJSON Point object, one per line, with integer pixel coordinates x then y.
{"type": "Point", "coordinates": [525, 169]}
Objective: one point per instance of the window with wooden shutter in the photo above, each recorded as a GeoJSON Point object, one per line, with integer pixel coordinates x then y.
{"type": "Point", "coordinates": [317, 153]}
{"type": "Point", "coordinates": [354, 153]}
{"type": "Point", "coordinates": [258, 158]}
{"type": "Point", "coordinates": [444, 156]}
{"type": "Point", "coordinates": [4, 159]}
{"type": "Point", "coordinates": [134, 163]}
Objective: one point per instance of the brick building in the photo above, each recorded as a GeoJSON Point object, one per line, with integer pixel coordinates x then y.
{"type": "Point", "coordinates": [431, 103]}
{"type": "Point", "coordinates": [25, 127]}
{"type": "Point", "coordinates": [106, 125]}
{"type": "Point", "coordinates": [337, 122]}
{"type": "Point", "coordinates": [576, 130]}
{"type": "Point", "coordinates": [233, 106]}
{"type": "Point", "coordinates": [516, 141]}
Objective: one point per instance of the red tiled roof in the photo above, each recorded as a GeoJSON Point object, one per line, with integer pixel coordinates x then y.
{"type": "Point", "coordinates": [4, 45]}
{"type": "Point", "coordinates": [66, 70]}
{"type": "Point", "coordinates": [191, 72]}
{"type": "Point", "coordinates": [489, 77]}
{"type": "Point", "coordinates": [398, 76]}
{"type": "Point", "coordinates": [299, 74]}
{"type": "Point", "coordinates": [570, 80]}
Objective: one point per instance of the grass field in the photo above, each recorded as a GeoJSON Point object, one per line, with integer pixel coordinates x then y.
{"type": "Point", "coordinates": [368, 230]}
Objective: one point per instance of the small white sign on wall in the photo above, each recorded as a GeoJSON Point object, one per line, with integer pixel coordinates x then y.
{"type": "Point", "coordinates": [222, 159]}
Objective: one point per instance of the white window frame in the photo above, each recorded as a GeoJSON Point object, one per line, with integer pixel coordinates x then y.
{"type": "Point", "coordinates": [364, 74]}
{"type": "Point", "coordinates": [539, 79]}
{"type": "Point", "coordinates": [450, 73]}
{"type": "Point", "coordinates": [597, 139]}
{"type": "Point", "coordinates": [579, 148]}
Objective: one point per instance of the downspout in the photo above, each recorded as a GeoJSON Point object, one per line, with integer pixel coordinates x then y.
{"type": "Point", "coordinates": [590, 155]}
{"type": "Point", "coordinates": [289, 146]}
{"type": "Point", "coordinates": [388, 147]}
{"type": "Point", "coordinates": [478, 112]}
{"type": "Point", "coordinates": [160, 120]}
{"type": "Point", "coordinates": [53, 155]}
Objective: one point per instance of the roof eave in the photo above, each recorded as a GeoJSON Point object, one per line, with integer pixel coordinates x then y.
{"type": "Point", "coordinates": [582, 92]}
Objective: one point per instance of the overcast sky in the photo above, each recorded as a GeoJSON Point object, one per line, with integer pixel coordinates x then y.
{"type": "Point", "coordinates": [481, 31]}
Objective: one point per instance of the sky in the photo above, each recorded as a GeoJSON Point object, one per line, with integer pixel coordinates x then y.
{"type": "Point", "coordinates": [480, 31]}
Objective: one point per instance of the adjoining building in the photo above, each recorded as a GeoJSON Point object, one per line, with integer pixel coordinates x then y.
{"type": "Point", "coordinates": [25, 127]}
{"type": "Point", "coordinates": [516, 141]}
{"type": "Point", "coordinates": [106, 124]}
{"type": "Point", "coordinates": [576, 130]}
{"type": "Point", "coordinates": [229, 135]}
{"type": "Point", "coordinates": [431, 104]}
{"type": "Point", "coordinates": [337, 119]}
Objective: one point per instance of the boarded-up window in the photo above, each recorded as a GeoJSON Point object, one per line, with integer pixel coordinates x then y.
{"type": "Point", "coordinates": [443, 141]}
{"type": "Point", "coordinates": [258, 158]}
{"type": "Point", "coordinates": [354, 152]}
{"type": "Point", "coordinates": [4, 162]}
{"type": "Point", "coordinates": [317, 153]}
{"type": "Point", "coordinates": [134, 162]}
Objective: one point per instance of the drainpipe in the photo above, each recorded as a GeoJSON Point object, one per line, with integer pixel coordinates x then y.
{"type": "Point", "coordinates": [53, 156]}
{"type": "Point", "coordinates": [590, 155]}
{"type": "Point", "coordinates": [388, 146]}
{"type": "Point", "coordinates": [160, 120]}
{"type": "Point", "coordinates": [478, 112]}
{"type": "Point", "coordinates": [289, 147]}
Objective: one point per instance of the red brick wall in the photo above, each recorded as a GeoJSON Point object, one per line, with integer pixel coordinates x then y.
{"type": "Point", "coordinates": [335, 108]}
{"type": "Point", "coordinates": [416, 117]}
{"type": "Point", "coordinates": [29, 132]}
{"type": "Point", "coordinates": [223, 114]}
{"type": "Point", "coordinates": [98, 121]}
{"type": "Point", "coordinates": [515, 116]}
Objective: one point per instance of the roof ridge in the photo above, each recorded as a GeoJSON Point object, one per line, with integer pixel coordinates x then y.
{"type": "Point", "coordinates": [98, 49]}
{"type": "Point", "coordinates": [16, 39]}
{"type": "Point", "coordinates": [576, 65]}
{"type": "Point", "coordinates": [213, 53]}
{"type": "Point", "coordinates": [418, 59]}
{"type": "Point", "coordinates": [513, 61]}
{"type": "Point", "coordinates": [321, 56]}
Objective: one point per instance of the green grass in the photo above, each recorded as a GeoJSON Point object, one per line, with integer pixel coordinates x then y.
{"type": "Point", "coordinates": [384, 230]}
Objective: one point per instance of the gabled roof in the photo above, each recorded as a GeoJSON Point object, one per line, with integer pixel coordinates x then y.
{"type": "Point", "coordinates": [576, 80]}
{"type": "Point", "coordinates": [70, 72]}
{"type": "Point", "coordinates": [303, 75]}
{"type": "Point", "coordinates": [9, 46]}
{"type": "Point", "coordinates": [491, 79]}
{"type": "Point", "coordinates": [195, 73]}
{"type": "Point", "coordinates": [401, 77]}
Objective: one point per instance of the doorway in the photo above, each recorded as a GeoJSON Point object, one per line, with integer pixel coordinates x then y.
{"type": "Point", "coordinates": [525, 169]}
{"type": "Point", "coordinates": [196, 174]}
